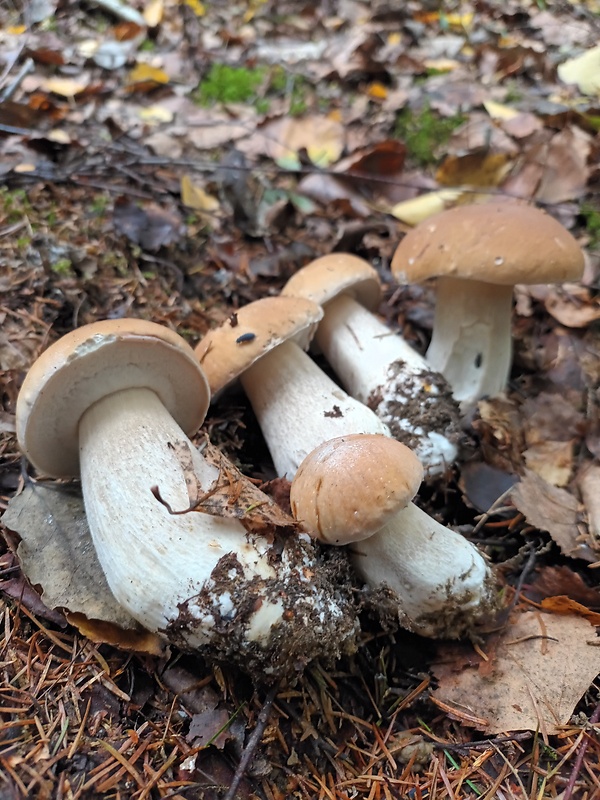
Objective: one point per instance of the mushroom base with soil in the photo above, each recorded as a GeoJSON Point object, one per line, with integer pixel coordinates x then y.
{"type": "Point", "coordinates": [379, 368]}
{"type": "Point", "coordinates": [202, 580]}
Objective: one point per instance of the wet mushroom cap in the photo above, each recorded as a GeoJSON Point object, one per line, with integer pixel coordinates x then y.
{"type": "Point", "coordinates": [227, 351]}
{"type": "Point", "coordinates": [330, 275]}
{"type": "Point", "coordinates": [500, 242]}
{"type": "Point", "coordinates": [93, 362]}
{"type": "Point", "coordinates": [349, 487]}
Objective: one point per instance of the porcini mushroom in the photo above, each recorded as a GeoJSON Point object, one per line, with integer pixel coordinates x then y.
{"type": "Point", "coordinates": [376, 365]}
{"type": "Point", "coordinates": [478, 253]}
{"type": "Point", "coordinates": [114, 402]}
{"type": "Point", "coordinates": [357, 490]}
{"type": "Point", "coordinates": [297, 405]}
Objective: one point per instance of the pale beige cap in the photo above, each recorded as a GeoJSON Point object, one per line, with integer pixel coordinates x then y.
{"type": "Point", "coordinates": [227, 351]}
{"type": "Point", "coordinates": [95, 361]}
{"type": "Point", "coordinates": [497, 242]}
{"type": "Point", "coordinates": [334, 274]}
{"type": "Point", "coordinates": [348, 488]}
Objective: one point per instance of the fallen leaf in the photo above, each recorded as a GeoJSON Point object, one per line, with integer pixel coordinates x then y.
{"type": "Point", "coordinates": [142, 73]}
{"type": "Point", "coordinates": [426, 205]}
{"type": "Point", "coordinates": [283, 139]}
{"type": "Point", "coordinates": [542, 666]}
{"type": "Point", "coordinates": [480, 168]}
{"type": "Point", "coordinates": [567, 606]}
{"type": "Point", "coordinates": [150, 226]}
{"type": "Point", "coordinates": [584, 71]}
{"type": "Point", "coordinates": [552, 461]}
{"type": "Point", "coordinates": [589, 486]}
{"type": "Point", "coordinates": [65, 87]}
{"type": "Point", "coordinates": [554, 510]}
{"type": "Point", "coordinates": [56, 553]}
{"type": "Point", "coordinates": [554, 581]}
{"type": "Point", "coordinates": [153, 13]}
{"type": "Point", "coordinates": [194, 196]}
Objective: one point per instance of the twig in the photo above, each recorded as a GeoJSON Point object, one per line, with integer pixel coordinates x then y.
{"type": "Point", "coordinates": [12, 87]}
{"type": "Point", "coordinates": [250, 749]}
{"type": "Point", "coordinates": [580, 756]}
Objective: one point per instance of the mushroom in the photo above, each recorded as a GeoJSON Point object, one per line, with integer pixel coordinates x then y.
{"type": "Point", "coordinates": [297, 405]}
{"type": "Point", "coordinates": [478, 253]}
{"type": "Point", "coordinates": [114, 403]}
{"type": "Point", "coordinates": [376, 365]}
{"type": "Point", "coordinates": [357, 490]}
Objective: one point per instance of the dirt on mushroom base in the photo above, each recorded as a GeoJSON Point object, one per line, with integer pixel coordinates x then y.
{"type": "Point", "coordinates": [454, 621]}
{"type": "Point", "coordinates": [406, 406]}
{"type": "Point", "coordinates": [307, 629]}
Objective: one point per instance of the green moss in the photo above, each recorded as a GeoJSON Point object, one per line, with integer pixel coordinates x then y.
{"type": "Point", "coordinates": [591, 214]}
{"type": "Point", "coordinates": [62, 267]}
{"type": "Point", "coordinates": [225, 84]}
{"type": "Point", "coordinates": [424, 131]}
{"type": "Point", "coordinates": [14, 205]}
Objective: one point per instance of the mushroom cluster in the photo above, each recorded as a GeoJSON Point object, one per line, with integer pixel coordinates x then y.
{"type": "Point", "coordinates": [114, 403]}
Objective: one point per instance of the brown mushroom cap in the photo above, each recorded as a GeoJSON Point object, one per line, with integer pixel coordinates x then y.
{"type": "Point", "coordinates": [498, 242]}
{"type": "Point", "coordinates": [348, 488]}
{"type": "Point", "coordinates": [253, 331]}
{"type": "Point", "coordinates": [330, 275]}
{"type": "Point", "coordinates": [95, 361]}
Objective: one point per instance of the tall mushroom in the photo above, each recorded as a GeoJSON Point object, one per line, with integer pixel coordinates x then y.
{"type": "Point", "coordinates": [478, 253]}
{"type": "Point", "coordinates": [297, 405]}
{"type": "Point", "coordinates": [376, 365]}
{"type": "Point", "coordinates": [114, 402]}
{"type": "Point", "coordinates": [357, 490]}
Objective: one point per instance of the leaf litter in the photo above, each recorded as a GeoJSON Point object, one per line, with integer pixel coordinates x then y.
{"type": "Point", "coordinates": [122, 195]}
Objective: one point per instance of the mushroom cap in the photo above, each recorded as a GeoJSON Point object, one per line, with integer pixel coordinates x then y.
{"type": "Point", "coordinates": [227, 351]}
{"type": "Point", "coordinates": [92, 362]}
{"type": "Point", "coordinates": [497, 242]}
{"type": "Point", "coordinates": [348, 488]}
{"type": "Point", "coordinates": [330, 275]}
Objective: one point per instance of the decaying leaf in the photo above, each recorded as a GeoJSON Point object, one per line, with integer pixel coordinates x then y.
{"type": "Point", "coordinates": [426, 205]}
{"type": "Point", "coordinates": [553, 510]}
{"type": "Point", "coordinates": [541, 667]}
{"type": "Point", "coordinates": [282, 139]}
{"type": "Point", "coordinates": [584, 71]}
{"type": "Point", "coordinates": [56, 553]}
{"type": "Point", "coordinates": [194, 196]}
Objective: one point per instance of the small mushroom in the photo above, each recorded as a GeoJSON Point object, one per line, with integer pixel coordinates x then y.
{"type": "Point", "coordinates": [376, 365]}
{"type": "Point", "coordinates": [478, 253]}
{"type": "Point", "coordinates": [297, 405]}
{"type": "Point", "coordinates": [114, 403]}
{"type": "Point", "coordinates": [357, 490]}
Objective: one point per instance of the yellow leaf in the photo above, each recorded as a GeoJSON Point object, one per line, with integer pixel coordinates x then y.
{"type": "Point", "coordinates": [377, 90]}
{"type": "Point", "coordinates": [441, 64]}
{"type": "Point", "coordinates": [65, 87]}
{"type": "Point", "coordinates": [145, 72]}
{"type": "Point", "coordinates": [195, 197]}
{"type": "Point", "coordinates": [24, 168]}
{"type": "Point", "coordinates": [16, 30]}
{"type": "Point", "coordinates": [460, 20]}
{"type": "Point", "coordinates": [394, 39]}
{"type": "Point", "coordinates": [426, 205]}
{"type": "Point", "coordinates": [499, 111]}
{"type": "Point", "coordinates": [59, 136]}
{"type": "Point", "coordinates": [156, 114]}
{"type": "Point", "coordinates": [153, 13]}
{"type": "Point", "coordinates": [583, 71]}
{"type": "Point", "coordinates": [196, 6]}
{"type": "Point", "coordinates": [480, 168]}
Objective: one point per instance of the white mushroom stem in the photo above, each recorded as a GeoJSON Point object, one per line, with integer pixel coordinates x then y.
{"type": "Point", "coordinates": [299, 407]}
{"type": "Point", "coordinates": [195, 572]}
{"type": "Point", "coordinates": [442, 583]}
{"type": "Point", "coordinates": [380, 369]}
{"type": "Point", "coordinates": [471, 342]}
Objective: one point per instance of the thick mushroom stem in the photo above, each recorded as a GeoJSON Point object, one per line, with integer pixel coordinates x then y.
{"type": "Point", "coordinates": [379, 368]}
{"type": "Point", "coordinates": [202, 579]}
{"type": "Point", "coordinates": [299, 407]}
{"type": "Point", "coordinates": [442, 585]}
{"type": "Point", "coordinates": [471, 342]}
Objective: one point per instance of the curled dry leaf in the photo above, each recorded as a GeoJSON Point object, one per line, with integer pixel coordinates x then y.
{"type": "Point", "coordinates": [57, 554]}
{"type": "Point", "coordinates": [542, 666]}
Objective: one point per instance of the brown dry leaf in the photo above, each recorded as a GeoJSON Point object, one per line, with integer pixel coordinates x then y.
{"type": "Point", "coordinates": [56, 553]}
{"type": "Point", "coordinates": [554, 581]}
{"type": "Point", "coordinates": [589, 485]}
{"type": "Point", "coordinates": [571, 305]}
{"type": "Point", "coordinates": [282, 139]}
{"type": "Point", "coordinates": [553, 461]}
{"type": "Point", "coordinates": [151, 226]}
{"type": "Point", "coordinates": [233, 495]}
{"type": "Point", "coordinates": [554, 510]}
{"type": "Point", "coordinates": [480, 168]}
{"type": "Point", "coordinates": [561, 604]}
{"type": "Point", "coordinates": [565, 166]}
{"type": "Point", "coordinates": [542, 666]}
{"type": "Point", "coordinates": [482, 484]}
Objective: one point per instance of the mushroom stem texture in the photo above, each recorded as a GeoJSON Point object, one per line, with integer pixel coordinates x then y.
{"type": "Point", "coordinates": [442, 585]}
{"type": "Point", "coordinates": [298, 406]}
{"type": "Point", "coordinates": [471, 342]}
{"type": "Point", "coordinates": [379, 368]}
{"type": "Point", "coordinates": [198, 578]}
